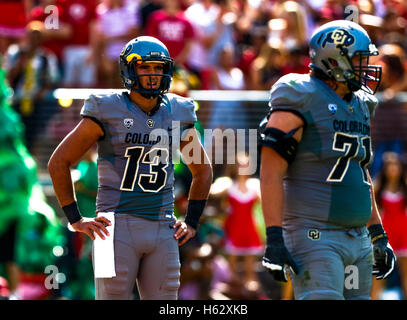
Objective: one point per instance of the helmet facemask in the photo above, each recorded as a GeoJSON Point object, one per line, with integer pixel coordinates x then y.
{"type": "Point", "coordinates": [357, 76]}
{"type": "Point", "coordinates": [362, 75]}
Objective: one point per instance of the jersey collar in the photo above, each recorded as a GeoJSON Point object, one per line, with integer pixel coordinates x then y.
{"type": "Point", "coordinates": [149, 113]}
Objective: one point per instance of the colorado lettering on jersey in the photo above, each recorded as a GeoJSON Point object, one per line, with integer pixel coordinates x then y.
{"type": "Point", "coordinates": [351, 127]}
{"type": "Point", "coordinates": [146, 139]}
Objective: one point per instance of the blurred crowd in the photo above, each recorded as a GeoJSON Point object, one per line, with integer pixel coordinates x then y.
{"type": "Point", "coordinates": [227, 44]}
{"type": "Point", "coordinates": [216, 44]}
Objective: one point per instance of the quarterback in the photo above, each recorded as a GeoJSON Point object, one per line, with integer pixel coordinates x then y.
{"type": "Point", "coordinates": [321, 216]}
{"type": "Point", "coordinates": [135, 177]}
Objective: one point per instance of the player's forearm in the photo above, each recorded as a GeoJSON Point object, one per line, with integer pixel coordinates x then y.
{"type": "Point", "coordinates": [375, 215]}
{"type": "Point", "coordinates": [272, 172]}
{"type": "Point", "coordinates": [61, 179]}
{"type": "Point", "coordinates": [198, 193]}
{"type": "Point", "coordinates": [272, 190]}
{"type": "Point", "coordinates": [374, 218]}
{"type": "Point", "coordinates": [200, 168]}
{"type": "Point", "coordinates": [201, 183]}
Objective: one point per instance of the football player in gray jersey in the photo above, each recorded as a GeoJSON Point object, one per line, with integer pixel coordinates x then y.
{"type": "Point", "coordinates": [136, 133]}
{"type": "Point", "coordinates": [321, 216]}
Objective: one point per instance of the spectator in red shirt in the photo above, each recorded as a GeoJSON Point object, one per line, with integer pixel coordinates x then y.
{"type": "Point", "coordinates": [171, 27]}
{"type": "Point", "coordinates": [118, 23]}
{"type": "Point", "coordinates": [297, 61]}
{"type": "Point", "coordinates": [78, 59]}
{"type": "Point", "coordinates": [331, 10]}
{"type": "Point", "coordinates": [13, 18]}
{"type": "Point", "coordinates": [56, 35]}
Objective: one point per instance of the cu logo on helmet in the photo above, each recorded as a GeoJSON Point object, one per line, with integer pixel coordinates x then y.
{"type": "Point", "coordinates": [339, 37]}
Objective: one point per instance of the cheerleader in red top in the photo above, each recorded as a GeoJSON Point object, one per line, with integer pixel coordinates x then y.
{"type": "Point", "coordinates": [242, 239]}
{"type": "Point", "coordinates": [391, 195]}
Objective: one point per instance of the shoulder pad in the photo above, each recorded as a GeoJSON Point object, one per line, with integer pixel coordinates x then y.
{"type": "Point", "coordinates": [95, 105]}
{"type": "Point", "coordinates": [91, 107]}
{"type": "Point", "coordinates": [291, 91]}
{"type": "Point", "coordinates": [182, 109]}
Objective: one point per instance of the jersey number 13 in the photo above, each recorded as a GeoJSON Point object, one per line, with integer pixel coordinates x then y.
{"type": "Point", "coordinates": [156, 158]}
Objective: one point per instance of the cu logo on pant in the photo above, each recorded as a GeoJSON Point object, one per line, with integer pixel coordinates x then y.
{"type": "Point", "coordinates": [314, 234]}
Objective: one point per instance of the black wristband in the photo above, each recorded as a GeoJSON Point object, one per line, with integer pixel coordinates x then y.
{"type": "Point", "coordinates": [194, 212]}
{"type": "Point", "coordinates": [377, 232]}
{"type": "Point", "coordinates": [274, 234]}
{"type": "Point", "coordinates": [72, 212]}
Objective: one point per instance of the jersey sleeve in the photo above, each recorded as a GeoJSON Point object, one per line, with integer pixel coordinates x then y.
{"type": "Point", "coordinates": [291, 95]}
{"type": "Point", "coordinates": [91, 109]}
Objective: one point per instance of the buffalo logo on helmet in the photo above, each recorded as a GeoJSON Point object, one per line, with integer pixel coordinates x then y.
{"type": "Point", "coordinates": [130, 57]}
{"type": "Point", "coordinates": [339, 37]}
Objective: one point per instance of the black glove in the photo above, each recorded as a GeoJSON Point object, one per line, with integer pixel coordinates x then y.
{"type": "Point", "coordinates": [383, 253]}
{"type": "Point", "coordinates": [277, 256]}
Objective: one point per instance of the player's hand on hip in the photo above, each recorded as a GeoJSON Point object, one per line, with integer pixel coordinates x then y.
{"type": "Point", "coordinates": [90, 226]}
{"type": "Point", "coordinates": [382, 251]}
{"type": "Point", "coordinates": [276, 258]}
{"type": "Point", "coordinates": [184, 232]}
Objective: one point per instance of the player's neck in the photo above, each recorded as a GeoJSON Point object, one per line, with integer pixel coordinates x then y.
{"type": "Point", "coordinates": [341, 89]}
{"type": "Point", "coordinates": [343, 92]}
{"type": "Point", "coordinates": [144, 104]}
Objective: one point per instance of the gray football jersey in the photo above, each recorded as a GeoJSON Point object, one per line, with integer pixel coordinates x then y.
{"type": "Point", "coordinates": [327, 184]}
{"type": "Point", "coordinates": [135, 169]}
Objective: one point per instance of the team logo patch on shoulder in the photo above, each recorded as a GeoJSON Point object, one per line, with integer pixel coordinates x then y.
{"type": "Point", "coordinates": [314, 234]}
{"type": "Point", "coordinates": [128, 123]}
{"type": "Point", "coordinates": [150, 123]}
{"type": "Point", "coordinates": [332, 108]}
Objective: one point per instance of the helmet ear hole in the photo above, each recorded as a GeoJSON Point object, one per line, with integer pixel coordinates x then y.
{"type": "Point", "coordinates": [333, 62]}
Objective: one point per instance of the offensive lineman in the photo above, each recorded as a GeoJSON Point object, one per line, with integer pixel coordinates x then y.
{"type": "Point", "coordinates": [135, 173]}
{"type": "Point", "coordinates": [321, 215]}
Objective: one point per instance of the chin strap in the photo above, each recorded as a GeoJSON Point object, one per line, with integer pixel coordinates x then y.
{"type": "Point", "coordinates": [149, 95]}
